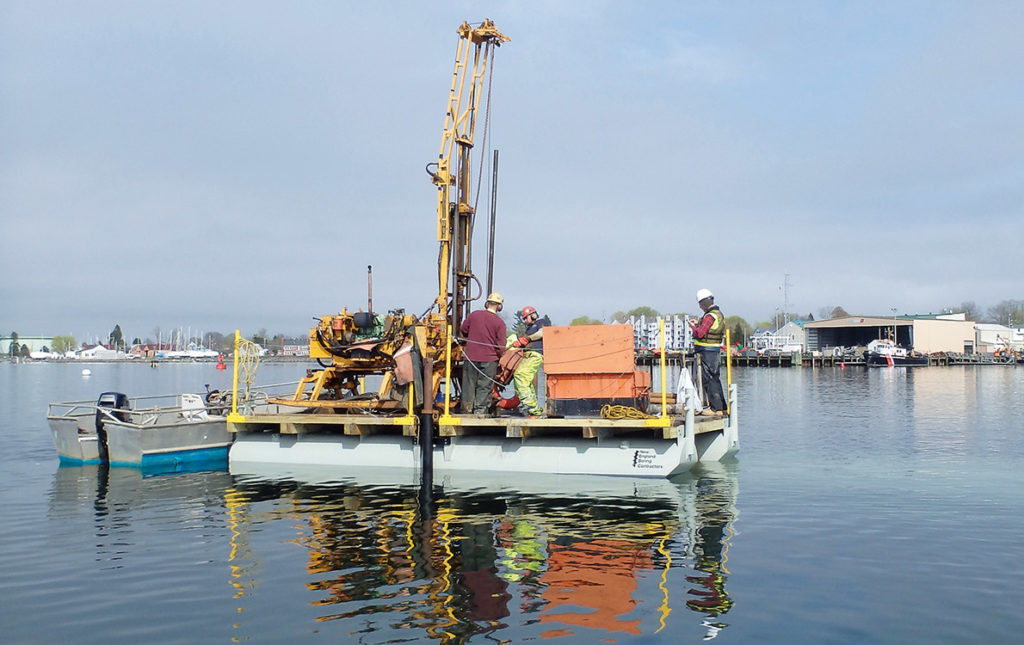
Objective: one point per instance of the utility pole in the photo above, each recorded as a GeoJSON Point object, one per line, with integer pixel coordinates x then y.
{"type": "Point", "coordinates": [785, 300]}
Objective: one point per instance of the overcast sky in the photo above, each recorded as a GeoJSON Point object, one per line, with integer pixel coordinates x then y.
{"type": "Point", "coordinates": [227, 165]}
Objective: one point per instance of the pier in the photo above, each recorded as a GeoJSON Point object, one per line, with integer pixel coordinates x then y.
{"type": "Point", "coordinates": [796, 359]}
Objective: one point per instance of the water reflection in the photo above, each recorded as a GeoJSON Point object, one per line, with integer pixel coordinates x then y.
{"type": "Point", "coordinates": [497, 558]}
{"type": "Point", "coordinates": [537, 557]}
{"type": "Point", "coordinates": [115, 500]}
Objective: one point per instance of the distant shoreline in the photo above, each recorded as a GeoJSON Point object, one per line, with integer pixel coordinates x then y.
{"type": "Point", "coordinates": [149, 361]}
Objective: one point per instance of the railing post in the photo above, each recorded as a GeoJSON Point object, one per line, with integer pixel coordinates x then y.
{"type": "Point", "coordinates": [448, 374]}
{"type": "Point", "coordinates": [664, 394]}
{"type": "Point", "coordinates": [728, 367]}
{"type": "Point", "coordinates": [234, 383]}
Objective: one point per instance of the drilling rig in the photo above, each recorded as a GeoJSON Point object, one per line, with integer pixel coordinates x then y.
{"type": "Point", "coordinates": [399, 347]}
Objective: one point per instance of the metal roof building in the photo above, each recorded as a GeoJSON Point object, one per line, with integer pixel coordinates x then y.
{"type": "Point", "coordinates": [924, 333]}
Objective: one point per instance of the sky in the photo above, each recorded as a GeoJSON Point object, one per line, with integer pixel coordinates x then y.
{"type": "Point", "coordinates": [240, 164]}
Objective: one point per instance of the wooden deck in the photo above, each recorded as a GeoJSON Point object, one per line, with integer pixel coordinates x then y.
{"type": "Point", "coordinates": [459, 426]}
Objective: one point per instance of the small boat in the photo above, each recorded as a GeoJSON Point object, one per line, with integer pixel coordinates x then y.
{"type": "Point", "coordinates": [885, 353]}
{"type": "Point", "coordinates": [161, 431]}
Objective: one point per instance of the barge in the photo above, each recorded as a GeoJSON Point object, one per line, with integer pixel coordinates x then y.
{"type": "Point", "coordinates": [569, 446]}
{"type": "Point", "coordinates": [655, 438]}
{"type": "Point", "coordinates": [602, 415]}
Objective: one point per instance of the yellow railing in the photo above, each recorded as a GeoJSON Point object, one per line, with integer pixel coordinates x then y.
{"type": "Point", "coordinates": [234, 417]}
{"type": "Point", "coordinates": [447, 418]}
{"type": "Point", "coordinates": [663, 420]}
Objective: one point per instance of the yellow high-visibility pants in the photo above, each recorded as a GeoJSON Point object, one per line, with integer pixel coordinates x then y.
{"type": "Point", "coordinates": [524, 375]}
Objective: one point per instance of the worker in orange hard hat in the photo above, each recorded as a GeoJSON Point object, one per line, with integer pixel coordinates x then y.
{"type": "Point", "coordinates": [484, 331]}
{"type": "Point", "coordinates": [533, 359]}
{"type": "Point", "coordinates": [707, 341]}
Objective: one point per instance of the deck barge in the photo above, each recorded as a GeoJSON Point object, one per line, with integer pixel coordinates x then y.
{"type": "Point", "coordinates": [658, 446]}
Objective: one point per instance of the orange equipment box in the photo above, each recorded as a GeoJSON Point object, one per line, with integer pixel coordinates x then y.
{"type": "Point", "coordinates": [599, 386]}
{"type": "Point", "coordinates": [589, 349]}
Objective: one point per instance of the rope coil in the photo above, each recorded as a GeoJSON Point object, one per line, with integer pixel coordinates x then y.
{"type": "Point", "coordinates": [248, 363]}
{"type": "Point", "coordinates": [610, 411]}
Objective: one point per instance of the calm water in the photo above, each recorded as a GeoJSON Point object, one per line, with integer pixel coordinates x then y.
{"type": "Point", "coordinates": [865, 506]}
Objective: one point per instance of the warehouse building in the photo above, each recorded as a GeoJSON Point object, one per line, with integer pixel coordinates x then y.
{"type": "Point", "coordinates": [925, 333]}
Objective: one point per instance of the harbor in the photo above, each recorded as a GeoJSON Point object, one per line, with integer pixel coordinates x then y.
{"type": "Point", "coordinates": [727, 348]}
{"type": "Point", "coordinates": [271, 550]}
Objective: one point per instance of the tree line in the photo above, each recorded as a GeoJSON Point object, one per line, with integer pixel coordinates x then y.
{"type": "Point", "coordinates": [1007, 312]}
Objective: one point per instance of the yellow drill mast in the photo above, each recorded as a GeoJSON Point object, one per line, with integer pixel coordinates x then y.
{"type": "Point", "coordinates": [455, 217]}
{"type": "Point", "coordinates": [361, 344]}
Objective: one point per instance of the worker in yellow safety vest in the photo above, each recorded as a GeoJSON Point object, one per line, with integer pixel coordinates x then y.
{"type": "Point", "coordinates": [707, 341]}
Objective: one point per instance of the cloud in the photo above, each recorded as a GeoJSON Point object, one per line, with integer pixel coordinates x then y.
{"type": "Point", "coordinates": [240, 164]}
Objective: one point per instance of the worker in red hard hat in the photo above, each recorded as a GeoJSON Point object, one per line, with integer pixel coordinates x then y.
{"type": "Point", "coordinates": [533, 359]}
{"type": "Point", "coordinates": [484, 331]}
{"type": "Point", "coordinates": [707, 341]}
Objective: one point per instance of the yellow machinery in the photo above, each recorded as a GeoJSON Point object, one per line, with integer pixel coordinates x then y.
{"type": "Point", "coordinates": [400, 347]}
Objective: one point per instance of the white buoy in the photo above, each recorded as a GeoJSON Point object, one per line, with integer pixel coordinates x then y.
{"type": "Point", "coordinates": [86, 372]}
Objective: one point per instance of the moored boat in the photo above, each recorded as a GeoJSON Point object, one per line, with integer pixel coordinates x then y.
{"type": "Point", "coordinates": [145, 431]}
{"type": "Point", "coordinates": [885, 353]}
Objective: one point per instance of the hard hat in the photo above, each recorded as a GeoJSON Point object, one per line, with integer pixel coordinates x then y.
{"type": "Point", "coordinates": [495, 297]}
{"type": "Point", "coordinates": [528, 311]}
{"type": "Point", "coordinates": [703, 293]}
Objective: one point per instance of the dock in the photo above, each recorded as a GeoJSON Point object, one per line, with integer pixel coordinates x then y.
{"type": "Point", "coordinates": [943, 359]}
{"type": "Point", "coordinates": [674, 359]}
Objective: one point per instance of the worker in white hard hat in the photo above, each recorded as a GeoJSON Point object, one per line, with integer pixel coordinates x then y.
{"type": "Point", "coordinates": [484, 332]}
{"type": "Point", "coordinates": [532, 343]}
{"type": "Point", "coordinates": [707, 341]}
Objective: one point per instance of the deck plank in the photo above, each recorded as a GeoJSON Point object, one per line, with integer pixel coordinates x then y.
{"type": "Point", "coordinates": [514, 427]}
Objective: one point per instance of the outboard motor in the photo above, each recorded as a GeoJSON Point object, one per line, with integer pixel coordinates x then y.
{"type": "Point", "coordinates": [218, 401]}
{"type": "Point", "coordinates": [112, 401]}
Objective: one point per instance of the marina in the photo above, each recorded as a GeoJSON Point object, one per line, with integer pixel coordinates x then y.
{"type": "Point", "coordinates": [511, 427]}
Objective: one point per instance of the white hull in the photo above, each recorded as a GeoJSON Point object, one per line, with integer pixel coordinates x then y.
{"type": "Point", "coordinates": [255, 450]}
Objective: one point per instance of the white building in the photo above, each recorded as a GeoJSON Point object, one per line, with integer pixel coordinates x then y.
{"type": "Point", "coordinates": [647, 332]}
{"type": "Point", "coordinates": [786, 339]}
{"type": "Point", "coordinates": [990, 337]}
{"type": "Point", "coordinates": [101, 353]}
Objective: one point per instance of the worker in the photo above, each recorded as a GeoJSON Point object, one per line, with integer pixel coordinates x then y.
{"type": "Point", "coordinates": [532, 343]}
{"type": "Point", "coordinates": [484, 331]}
{"type": "Point", "coordinates": [707, 340]}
